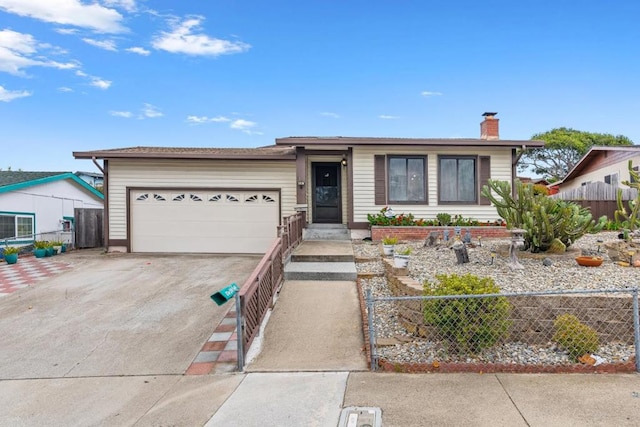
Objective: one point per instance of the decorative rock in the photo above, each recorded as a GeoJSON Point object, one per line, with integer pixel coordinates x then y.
{"type": "Point", "coordinates": [432, 239]}
{"type": "Point", "coordinates": [557, 247]}
{"type": "Point", "coordinates": [636, 263]}
{"type": "Point", "coordinates": [547, 262]}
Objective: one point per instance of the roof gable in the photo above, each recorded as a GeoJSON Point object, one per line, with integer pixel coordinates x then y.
{"type": "Point", "coordinates": [16, 180]}
{"type": "Point", "coordinates": [622, 153]}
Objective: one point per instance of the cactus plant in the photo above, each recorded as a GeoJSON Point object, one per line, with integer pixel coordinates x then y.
{"type": "Point", "coordinates": [630, 220]}
{"type": "Point", "coordinates": [543, 219]}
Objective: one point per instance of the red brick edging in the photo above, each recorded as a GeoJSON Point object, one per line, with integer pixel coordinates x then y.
{"type": "Point", "coordinates": [421, 233]}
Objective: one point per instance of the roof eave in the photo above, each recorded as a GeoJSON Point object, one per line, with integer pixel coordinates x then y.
{"type": "Point", "coordinates": [178, 156]}
{"type": "Point", "coordinates": [52, 178]}
{"type": "Point", "coordinates": [349, 141]}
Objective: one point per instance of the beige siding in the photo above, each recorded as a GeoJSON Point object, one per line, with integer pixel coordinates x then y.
{"type": "Point", "coordinates": [363, 192]}
{"type": "Point", "coordinates": [195, 174]}
{"type": "Point", "coordinates": [621, 168]}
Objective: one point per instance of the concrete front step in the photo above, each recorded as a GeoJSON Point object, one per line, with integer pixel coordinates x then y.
{"type": "Point", "coordinates": [320, 271]}
{"type": "Point", "coordinates": [323, 251]}
{"type": "Point", "coordinates": [325, 234]}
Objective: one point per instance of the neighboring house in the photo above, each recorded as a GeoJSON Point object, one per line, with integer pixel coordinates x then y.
{"type": "Point", "coordinates": [602, 164]}
{"type": "Point", "coordinates": [94, 179]}
{"type": "Point", "coordinates": [230, 200]}
{"type": "Point", "coordinates": [33, 203]}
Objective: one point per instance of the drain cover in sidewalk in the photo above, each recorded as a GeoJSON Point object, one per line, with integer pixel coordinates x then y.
{"type": "Point", "coordinates": [354, 416]}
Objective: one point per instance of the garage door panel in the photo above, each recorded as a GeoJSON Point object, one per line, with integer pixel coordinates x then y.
{"type": "Point", "coordinates": [206, 222]}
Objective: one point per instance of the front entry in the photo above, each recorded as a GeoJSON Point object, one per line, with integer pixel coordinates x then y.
{"type": "Point", "coordinates": [327, 200]}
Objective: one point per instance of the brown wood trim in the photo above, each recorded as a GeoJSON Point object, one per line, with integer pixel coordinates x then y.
{"type": "Point", "coordinates": [119, 242]}
{"type": "Point", "coordinates": [514, 173]}
{"type": "Point", "coordinates": [380, 179]}
{"type": "Point", "coordinates": [301, 176]}
{"type": "Point", "coordinates": [358, 225]}
{"type": "Point", "coordinates": [325, 152]}
{"type": "Point", "coordinates": [484, 174]}
{"type": "Point", "coordinates": [105, 205]}
{"type": "Point", "coordinates": [350, 185]}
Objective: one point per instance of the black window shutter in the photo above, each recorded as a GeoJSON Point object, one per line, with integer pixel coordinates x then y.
{"type": "Point", "coordinates": [380, 180]}
{"type": "Point", "coordinates": [485, 175]}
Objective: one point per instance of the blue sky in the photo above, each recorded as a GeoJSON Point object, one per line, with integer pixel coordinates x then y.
{"type": "Point", "coordinates": [80, 75]}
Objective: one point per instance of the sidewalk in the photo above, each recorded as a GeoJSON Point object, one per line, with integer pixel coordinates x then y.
{"type": "Point", "coordinates": [406, 400]}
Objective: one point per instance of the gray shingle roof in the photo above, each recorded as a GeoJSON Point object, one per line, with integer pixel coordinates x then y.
{"type": "Point", "coordinates": [190, 153]}
{"type": "Point", "coordinates": [17, 177]}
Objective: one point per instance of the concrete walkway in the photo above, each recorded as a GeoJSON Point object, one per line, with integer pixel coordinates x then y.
{"type": "Point", "coordinates": [315, 326]}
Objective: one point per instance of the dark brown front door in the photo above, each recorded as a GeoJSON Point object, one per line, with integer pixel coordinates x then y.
{"type": "Point", "coordinates": [327, 202]}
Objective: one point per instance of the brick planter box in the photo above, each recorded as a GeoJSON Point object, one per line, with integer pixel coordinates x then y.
{"type": "Point", "coordinates": [421, 233]}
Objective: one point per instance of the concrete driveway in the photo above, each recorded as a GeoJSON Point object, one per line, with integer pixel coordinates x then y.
{"type": "Point", "coordinates": [114, 315]}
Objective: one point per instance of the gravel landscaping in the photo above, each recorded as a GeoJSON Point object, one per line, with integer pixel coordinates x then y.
{"type": "Point", "coordinates": [426, 262]}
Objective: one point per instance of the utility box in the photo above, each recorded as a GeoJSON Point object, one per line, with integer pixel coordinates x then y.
{"type": "Point", "coordinates": [354, 416]}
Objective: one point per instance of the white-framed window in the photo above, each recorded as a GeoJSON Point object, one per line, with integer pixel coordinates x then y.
{"type": "Point", "coordinates": [16, 225]}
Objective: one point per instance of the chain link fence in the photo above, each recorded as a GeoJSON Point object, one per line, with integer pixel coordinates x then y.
{"type": "Point", "coordinates": [510, 331]}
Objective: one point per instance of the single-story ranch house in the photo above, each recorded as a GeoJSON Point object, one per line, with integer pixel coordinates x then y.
{"type": "Point", "coordinates": [230, 200]}
{"type": "Point", "coordinates": [41, 205]}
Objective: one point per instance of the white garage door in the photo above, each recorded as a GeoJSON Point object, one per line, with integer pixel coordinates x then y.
{"type": "Point", "coordinates": [203, 221]}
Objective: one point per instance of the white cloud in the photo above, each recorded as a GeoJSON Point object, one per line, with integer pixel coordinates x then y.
{"type": "Point", "coordinates": [128, 5]}
{"type": "Point", "coordinates": [81, 73]}
{"type": "Point", "coordinates": [242, 124]}
{"type": "Point", "coordinates": [204, 119]}
{"type": "Point", "coordinates": [100, 83]}
{"type": "Point", "coordinates": [150, 111]}
{"type": "Point", "coordinates": [182, 39]}
{"type": "Point", "coordinates": [68, 12]}
{"type": "Point", "coordinates": [65, 89]}
{"type": "Point", "coordinates": [429, 93]}
{"type": "Point", "coordinates": [124, 114]}
{"type": "Point", "coordinates": [10, 95]}
{"type": "Point", "coordinates": [139, 50]}
{"type": "Point", "coordinates": [387, 117]}
{"type": "Point", "coordinates": [328, 114]}
{"type": "Point", "coordinates": [245, 126]}
{"type": "Point", "coordinates": [66, 31]}
{"type": "Point", "coordinates": [102, 44]}
{"type": "Point", "coordinates": [19, 51]}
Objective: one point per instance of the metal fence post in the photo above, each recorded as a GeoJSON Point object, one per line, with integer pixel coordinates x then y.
{"type": "Point", "coordinates": [239, 334]}
{"type": "Point", "coordinates": [636, 328]}
{"type": "Point", "coordinates": [372, 333]}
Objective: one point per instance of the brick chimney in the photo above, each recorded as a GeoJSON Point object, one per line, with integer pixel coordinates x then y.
{"type": "Point", "coordinates": [489, 127]}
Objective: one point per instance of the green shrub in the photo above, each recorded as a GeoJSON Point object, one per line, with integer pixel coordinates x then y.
{"type": "Point", "coordinates": [468, 324]}
{"type": "Point", "coordinates": [443, 218]}
{"type": "Point", "coordinates": [574, 336]}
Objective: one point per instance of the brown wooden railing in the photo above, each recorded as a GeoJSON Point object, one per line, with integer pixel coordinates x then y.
{"type": "Point", "coordinates": [291, 232]}
{"type": "Point", "coordinates": [256, 296]}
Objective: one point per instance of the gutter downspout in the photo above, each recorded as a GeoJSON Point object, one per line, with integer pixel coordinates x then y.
{"type": "Point", "coordinates": [93, 159]}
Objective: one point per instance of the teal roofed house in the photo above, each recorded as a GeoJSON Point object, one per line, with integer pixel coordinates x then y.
{"type": "Point", "coordinates": [41, 205]}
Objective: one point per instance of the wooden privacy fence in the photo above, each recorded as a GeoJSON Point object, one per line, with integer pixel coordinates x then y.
{"type": "Point", "coordinates": [599, 197]}
{"type": "Point", "coordinates": [88, 228]}
{"type": "Point", "coordinates": [256, 295]}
